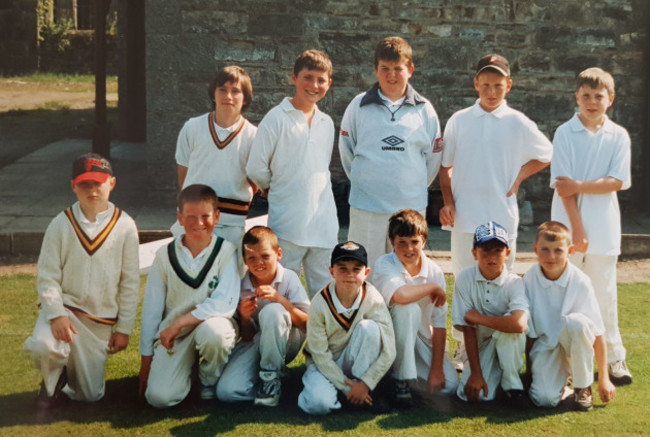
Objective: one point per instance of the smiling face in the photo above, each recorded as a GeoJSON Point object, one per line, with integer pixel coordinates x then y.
{"type": "Point", "coordinates": [93, 195]}
{"type": "Point", "coordinates": [408, 251]}
{"type": "Point", "coordinates": [552, 256]}
{"type": "Point", "coordinates": [491, 258]}
{"type": "Point", "coordinates": [492, 87]}
{"type": "Point", "coordinates": [593, 104]}
{"type": "Point", "coordinates": [393, 77]}
{"type": "Point", "coordinates": [262, 261]}
{"type": "Point", "coordinates": [198, 219]}
{"type": "Point", "coordinates": [229, 98]}
{"type": "Point", "coordinates": [311, 87]}
{"type": "Point", "coordinates": [349, 275]}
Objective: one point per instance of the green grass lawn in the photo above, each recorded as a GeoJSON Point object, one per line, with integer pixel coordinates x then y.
{"type": "Point", "coordinates": [122, 413]}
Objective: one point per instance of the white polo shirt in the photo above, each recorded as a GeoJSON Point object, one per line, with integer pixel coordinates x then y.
{"type": "Point", "coordinates": [496, 297]}
{"type": "Point", "coordinates": [286, 283]}
{"type": "Point", "coordinates": [389, 274]}
{"type": "Point", "coordinates": [551, 301]}
{"type": "Point", "coordinates": [487, 150]}
{"type": "Point", "coordinates": [291, 159]}
{"type": "Point", "coordinates": [584, 155]}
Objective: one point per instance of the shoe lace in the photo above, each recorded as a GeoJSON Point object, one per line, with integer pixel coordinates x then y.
{"type": "Point", "coordinates": [270, 388]}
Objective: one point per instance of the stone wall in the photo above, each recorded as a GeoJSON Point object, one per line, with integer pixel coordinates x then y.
{"type": "Point", "coordinates": [547, 43]}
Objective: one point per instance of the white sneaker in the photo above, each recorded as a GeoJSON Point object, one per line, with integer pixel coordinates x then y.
{"type": "Point", "coordinates": [460, 356]}
{"type": "Point", "coordinates": [619, 373]}
{"type": "Point", "coordinates": [208, 392]}
{"type": "Point", "coordinates": [270, 389]}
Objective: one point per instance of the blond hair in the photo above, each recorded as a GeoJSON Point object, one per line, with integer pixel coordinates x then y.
{"type": "Point", "coordinates": [553, 231]}
{"type": "Point", "coordinates": [596, 78]}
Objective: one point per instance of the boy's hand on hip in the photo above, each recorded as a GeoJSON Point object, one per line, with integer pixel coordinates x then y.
{"type": "Point", "coordinates": [63, 328]}
{"type": "Point", "coordinates": [118, 342]}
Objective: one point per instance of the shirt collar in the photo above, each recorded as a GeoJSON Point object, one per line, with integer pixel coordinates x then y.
{"type": "Point", "coordinates": [101, 216]}
{"type": "Point", "coordinates": [247, 284]}
{"type": "Point", "coordinates": [286, 106]}
{"type": "Point", "coordinates": [339, 306]}
{"type": "Point", "coordinates": [577, 126]}
{"type": "Point", "coordinates": [499, 280]}
{"type": "Point", "coordinates": [411, 98]}
{"type": "Point", "coordinates": [423, 267]}
{"type": "Point", "coordinates": [186, 252]}
{"type": "Point", "coordinates": [562, 281]}
{"type": "Point", "coordinates": [228, 129]}
{"type": "Point", "coordinates": [498, 113]}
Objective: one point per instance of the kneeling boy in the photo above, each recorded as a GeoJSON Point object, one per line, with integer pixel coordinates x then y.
{"type": "Point", "coordinates": [414, 289]}
{"type": "Point", "coordinates": [272, 323]}
{"type": "Point", "coordinates": [191, 294]}
{"type": "Point", "coordinates": [491, 310]}
{"type": "Point", "coordinates": [88, 288]}
{"type": "Point", "coordinates": [350, 340]}
{"type": "Point", "coordinates": [565, 327]}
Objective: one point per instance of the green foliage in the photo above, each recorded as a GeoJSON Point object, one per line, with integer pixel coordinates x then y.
{"type": "Point", "coordinates": [122, 413]}
{"type": "Point", "coordinates": [52, 34]}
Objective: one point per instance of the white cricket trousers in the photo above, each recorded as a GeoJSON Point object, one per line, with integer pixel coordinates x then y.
{"type": "Point", "coordinates": [574, 355]}
{"type": "Point", "coordinates": [315, 262]}
{"type": "Point", "coordinates": [319, 395]}
{"type": "Point", "coordinates": [501, 359]}
{"type": "Point", "coordinates": [413, 360]}
{"type": "Point", "coordinates": [277, 343]}
{"type": "Point", "coordinates": [84, 358]}
{"type": "Point", "coordinates": [601, 269]}
{"type": "Point", "coordinates": [170, 376]}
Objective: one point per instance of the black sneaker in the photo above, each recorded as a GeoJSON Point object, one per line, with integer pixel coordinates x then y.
{"type": "Point", "coordinates": [270, 389]}
{"type": "Point", "coordinates": [584, 401]}
{"type": "Point", "coordinates": [402, 394]}
{"type": "Point", "coordinates": [517, 399]}
{"type": "Point", "coordinates": [45, 402]}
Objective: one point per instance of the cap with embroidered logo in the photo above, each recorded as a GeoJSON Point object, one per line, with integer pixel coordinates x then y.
{"type": "Point", "coordinates": [488, 232]}
{"type": "Point", "coordinates": [494, 62]}
{"type": "Point", "coordinates": [349, 251]}
{"type": "Point", "coordinates": [91, 167]}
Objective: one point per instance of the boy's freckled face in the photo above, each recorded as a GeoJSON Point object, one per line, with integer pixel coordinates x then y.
{"type": "Point", "coordinates": [349, 275]}
{"type": "Point", "coordinates": [491, 258]}
{"type": "Point", "coordinates": [407, 249]}
{"type": "Point", "coordinates": [593, 103]}
{"type": "Point", "coordinates": [311, 85]}
{"type": "Point", "coordinates": [492, 88]}
{"type": "Point", "coordinates": [393, 76]}
{"type": "Point", "coordinates": [93, 193]}
{"type": "Point", "coordinates": [229, 97]}
{"type": "Point", "coordinates": [552, 256]}
{"type": "Point", "coordinates": [198, 219]}
{"type": "Point", "coordinates": [262, 261]}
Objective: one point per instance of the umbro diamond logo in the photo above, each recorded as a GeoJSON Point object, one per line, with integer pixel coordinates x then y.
{"type": "Point", "coordinates": [393, 140]}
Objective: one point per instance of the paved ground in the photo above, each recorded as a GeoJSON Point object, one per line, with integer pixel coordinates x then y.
{"type": "Point", "coordinates": [36, 187]}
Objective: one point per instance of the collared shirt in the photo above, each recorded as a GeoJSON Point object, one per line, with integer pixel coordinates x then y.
{"type": "Point", "coordinates": [291, 159]}
{"type": "Point", "coordinates": [487, 151]}
{"type": "Point", "coordinates": [389, 275]}
{"type": "Point", "coordinates": [91, 229]}
{"type": "Point", "coordinates": [340, 308]}
{"type": "Point", "coordinates": [584, 155]}
{"type": "Point", "coordinates": [551, 301]}
{"type": "Point", "coordinates": [497, 297]}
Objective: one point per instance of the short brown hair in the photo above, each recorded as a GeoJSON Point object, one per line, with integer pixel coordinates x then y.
{"type": "Point", "coordinates": [553, 231]}
{"type": "Point", "coordinates": [197, 193]}
{"type": "Point", "coordinates": [596, 78]}
{"type": "Point", "coordinates": [407, 223]}
{"type": "Point", "coordinates": [313, 60]}
{"type": "Point", "coordinates": [260, 234]}
{"type": "Point", "coordinates": [234, 74]}
{"type": "Point", "coordinates": [394, 49]}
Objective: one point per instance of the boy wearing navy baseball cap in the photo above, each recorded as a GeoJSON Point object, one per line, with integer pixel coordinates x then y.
{"type": "Point", "coordinates": [88, 288]}
{"type": "Point", "coordinates": [491, 310]}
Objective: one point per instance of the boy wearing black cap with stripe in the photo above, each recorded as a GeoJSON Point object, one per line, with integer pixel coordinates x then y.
{"type": "Point", "coordinates": [88, 288]}
{"type": "Point", "coordinates": [350, 340]}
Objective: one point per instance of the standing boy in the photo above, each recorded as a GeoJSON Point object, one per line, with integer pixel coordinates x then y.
{"type": "Point", "coordinates": [591, 163]}
{"type": "Point", "coordinates": [491, 149]}
{"type": "Point", "coordinates": [290, 159]}
{"type": "Point", "coordinates": [413, 287]}
{"type": "Point", "coordinates": [272, 323]}
{"type": "Point", "coordinates": [191, 294]}
{"type": "Point", "coordinates": [350, 341]}
{"type": "Point", "coordinates": [88, 288]}
{"type": "Point", "coordinates": [565, 327]}
{"type": "Point", "coordinates": [491, 310]}
{"type": "Point", "coordinates": [388, 128]}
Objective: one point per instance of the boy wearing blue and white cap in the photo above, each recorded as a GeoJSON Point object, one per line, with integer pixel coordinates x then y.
{"type": "Point", "coordinates": [491, 310]}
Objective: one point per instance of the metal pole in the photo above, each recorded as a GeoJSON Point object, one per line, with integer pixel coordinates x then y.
{"type": "Point", "coordinates": [101, 140]}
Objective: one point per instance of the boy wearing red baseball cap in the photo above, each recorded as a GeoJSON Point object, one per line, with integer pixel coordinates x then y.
{"type": "Point", "coordinates": [88, 288]}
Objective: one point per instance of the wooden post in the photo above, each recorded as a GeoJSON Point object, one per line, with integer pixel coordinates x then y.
{"type": "Point", "coordinates": [101, 139]}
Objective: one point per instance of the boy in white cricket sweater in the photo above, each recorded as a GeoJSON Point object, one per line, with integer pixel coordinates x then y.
{"type": "Point", "coordinates": [565, 329]}
{"type": "Point", "coordinates": [190, 297]}
{"type": "Point", "coordinates": [350, 341]}
{"type": "Point", "coordinates": [272, 320]}
{"type": "Point", "coordinates": [88, 288]}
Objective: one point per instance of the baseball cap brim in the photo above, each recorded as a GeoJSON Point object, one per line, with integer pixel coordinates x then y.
{"type": "Point", "coordinates": [493, 67]}
{"type": "Point", "coordinates": [96, 176]}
